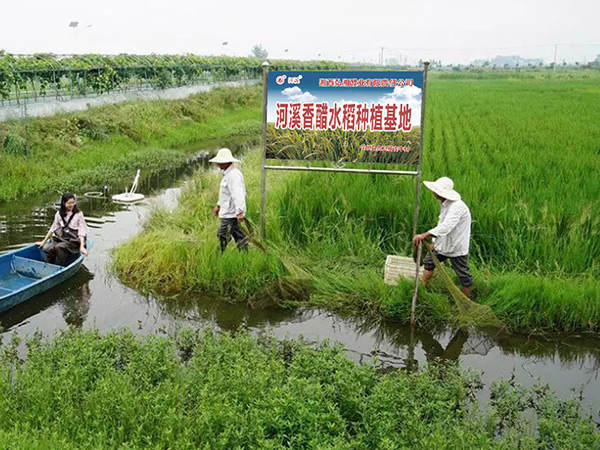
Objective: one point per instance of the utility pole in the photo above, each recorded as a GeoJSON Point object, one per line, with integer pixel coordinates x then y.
{"type": "Point", "coordinates": [555, 50]}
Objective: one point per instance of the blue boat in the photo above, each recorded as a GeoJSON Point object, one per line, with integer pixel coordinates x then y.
{"type": "Point", "coordinates": [25, 273]}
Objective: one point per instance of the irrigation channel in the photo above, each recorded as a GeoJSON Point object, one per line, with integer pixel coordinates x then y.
{"type": "Point", "coordinates": [43, 107]}
{"type": "Point", "coordinates": [93, 298]}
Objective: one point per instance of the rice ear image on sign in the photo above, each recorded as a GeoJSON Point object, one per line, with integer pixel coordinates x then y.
{"type": "Point", "coordinates": [341, 146]}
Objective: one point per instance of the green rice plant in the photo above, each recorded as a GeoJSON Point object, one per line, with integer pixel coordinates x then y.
{"type": "Point", "coordinates": [520, 153]}
{"type": "Point", "coordinates": [543, 303]}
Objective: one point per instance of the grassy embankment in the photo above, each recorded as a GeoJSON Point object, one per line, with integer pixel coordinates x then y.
{"type": "Point", "coordinates": [84, 390]}
{"type": "Point", "coordinates": [84, 150]}
{"type": "Point", "coordinates": [521, 151]}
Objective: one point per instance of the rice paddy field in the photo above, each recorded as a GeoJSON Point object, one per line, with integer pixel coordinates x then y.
{"type": "Point", "coordinates": [523, 150]}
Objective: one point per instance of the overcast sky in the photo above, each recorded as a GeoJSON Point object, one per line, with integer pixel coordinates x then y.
{"type": "Point", "coordinates": [454, 31]}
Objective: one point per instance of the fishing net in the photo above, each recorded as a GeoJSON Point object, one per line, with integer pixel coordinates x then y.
{"type": "Point", "coordinates": [469, 312]}
{"type": "Point", "coordinates": [296, 286]}
{"type": "Point", "coordinates": [478, 344]}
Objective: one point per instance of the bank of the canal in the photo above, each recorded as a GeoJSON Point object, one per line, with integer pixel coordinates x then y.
{"type": "Point", "coordinates": [94, 298]}
{"type": "Point", "coordinates": [79, 150]}
{"type": "Point", "coordinates": [341, 241]}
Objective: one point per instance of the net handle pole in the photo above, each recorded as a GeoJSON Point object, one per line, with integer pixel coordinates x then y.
{"type": "Point", "coordinates": [413, 307]}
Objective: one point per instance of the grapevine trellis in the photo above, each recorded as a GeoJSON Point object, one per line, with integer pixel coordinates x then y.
{"type": "Point", "coordinates": [39, 76]}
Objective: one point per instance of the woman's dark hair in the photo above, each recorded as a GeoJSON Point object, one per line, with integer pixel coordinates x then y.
{"type": "Point", "coordinates": [65, 198]}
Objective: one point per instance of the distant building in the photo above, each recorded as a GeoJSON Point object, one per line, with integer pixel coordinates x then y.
{"type": "Point", "coordinates": [508, 61]}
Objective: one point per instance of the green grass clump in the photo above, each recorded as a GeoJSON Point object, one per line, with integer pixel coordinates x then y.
{"type": "Point", "coordinates": [82, 150]}
{"type": "Point", "coordinates": [339, 234]}
{"type": "Point", "coordinates": [182, 263]}
{"type": "Point", "coordinates": [543, 304]}
{"type": "Point", "coordinates": [196, 390]}
{"type": "Point", "coordinates": [179, 251]}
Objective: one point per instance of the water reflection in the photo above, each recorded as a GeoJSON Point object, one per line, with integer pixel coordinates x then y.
{"type": "Point", "coordinates": [447, 343]}
{"type": "Point", "coordinates": [75, 303]}
{"type": "Point", "coordinates": [391, 344]}
{"type": "Point", "coordinates": [223, 314]}
{"type": "Point", "coordinates": [73, 296]}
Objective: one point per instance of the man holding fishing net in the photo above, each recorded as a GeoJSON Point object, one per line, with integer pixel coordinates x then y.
{"type": "Point", "coordinates": [231, 208]}
{"type": "Point", "coordinates": [452, 234]}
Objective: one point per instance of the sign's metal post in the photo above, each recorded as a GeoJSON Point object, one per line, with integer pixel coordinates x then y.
{"type": "Point", "coordinates": [263, 183]}
{"type": "Point", "coordinates": [418, 195]}
{"type": "Point", "coordinates": [419, 164]}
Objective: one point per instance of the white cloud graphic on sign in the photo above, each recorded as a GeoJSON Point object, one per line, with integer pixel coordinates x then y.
{"type": "Point", "coordinates": [403, 94]}
{"type": "Point", "coordinates": [406, 94]}
{"type": "Point", "coordinates": [295, 94]}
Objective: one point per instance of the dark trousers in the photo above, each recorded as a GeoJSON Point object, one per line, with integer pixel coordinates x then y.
{"type": "Point", "coordinates": [62, 253]}
{"type": "Point", "coordinates": [460, 264]}
{"type": "Point", "coordinates": [228, 228]}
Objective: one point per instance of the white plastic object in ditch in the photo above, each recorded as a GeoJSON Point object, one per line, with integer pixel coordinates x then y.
{"type": "Point", "coordinates": [130, 196]}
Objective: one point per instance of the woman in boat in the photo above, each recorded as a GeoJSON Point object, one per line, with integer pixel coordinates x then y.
{"type": "Point", "coordinates": [68, 232]}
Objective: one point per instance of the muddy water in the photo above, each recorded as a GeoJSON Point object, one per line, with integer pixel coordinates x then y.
{"type": "Point", "coordinates": [95, 299]}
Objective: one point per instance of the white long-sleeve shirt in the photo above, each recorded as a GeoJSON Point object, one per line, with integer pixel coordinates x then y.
{"type": "Point", "coordinates": [453, 231]}
{"type": "Point", "coordinates": [232, 196]}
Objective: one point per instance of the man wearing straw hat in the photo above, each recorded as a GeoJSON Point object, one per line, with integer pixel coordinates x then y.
{"type": "Point", "coordinates": [232, 201]}
{"type": "Point", "coordinates": [452, 234]}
